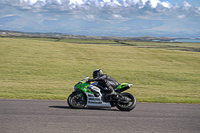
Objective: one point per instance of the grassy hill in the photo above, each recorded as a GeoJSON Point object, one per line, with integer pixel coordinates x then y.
{"type": "Point", "coordinates": [45, 69]}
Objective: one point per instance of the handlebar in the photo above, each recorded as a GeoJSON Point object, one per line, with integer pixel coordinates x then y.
{"type": "Point", "coordinates": [88, 81]}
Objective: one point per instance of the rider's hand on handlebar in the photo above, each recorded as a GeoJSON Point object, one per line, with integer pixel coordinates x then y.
{"type": "Point", "coordinates": [89, 80]}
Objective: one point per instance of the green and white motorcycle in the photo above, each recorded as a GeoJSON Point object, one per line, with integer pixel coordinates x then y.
{"type": "Point", "coordinates": [93, 95]}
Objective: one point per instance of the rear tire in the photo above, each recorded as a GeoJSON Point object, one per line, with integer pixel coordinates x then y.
{"type": "Point", "coordinates": [76, 101]}
{"type": "Point", "coordinates": [130, 105]}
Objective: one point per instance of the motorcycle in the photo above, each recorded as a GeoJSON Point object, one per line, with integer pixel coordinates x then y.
{"type": "Point", "coordinates": [94, 95]}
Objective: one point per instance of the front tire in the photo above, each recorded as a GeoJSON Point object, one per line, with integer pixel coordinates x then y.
{"type": "Point", "coordinates": [127, 105]}
{"type": "Point", "coordinates": [76, 101]}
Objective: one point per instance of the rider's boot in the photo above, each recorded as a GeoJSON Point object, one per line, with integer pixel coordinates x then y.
{"type": "Point", "coordinates": [112, 93]}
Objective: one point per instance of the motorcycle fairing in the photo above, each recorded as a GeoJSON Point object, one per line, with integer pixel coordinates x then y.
{"type": "Point", "coordinates": [96, 101]}
{"type": "Point", "coordinates": [123, 87]}
{"type": "Point", "coordinates": [89, 91]}
{"type": "Point", "coordinates": [83, 87]}
{"type": "Point", "coordinates": [93, 101]}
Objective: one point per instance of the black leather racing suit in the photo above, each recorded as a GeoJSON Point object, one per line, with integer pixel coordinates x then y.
{"type": "Point", "coordinates": [106, 81]}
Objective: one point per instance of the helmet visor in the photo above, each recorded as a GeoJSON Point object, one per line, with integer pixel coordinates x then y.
{"type": "Point", "coordinates": [95, 74]}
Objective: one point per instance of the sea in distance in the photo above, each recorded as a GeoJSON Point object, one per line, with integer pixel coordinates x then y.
{"type": "Point", "coordinates": [180, 40]}
{"type": "Point", "coordinates": [187, 40]}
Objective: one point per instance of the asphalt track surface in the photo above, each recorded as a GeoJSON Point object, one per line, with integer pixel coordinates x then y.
{"type": "Point", "coordinates": [40, 116]}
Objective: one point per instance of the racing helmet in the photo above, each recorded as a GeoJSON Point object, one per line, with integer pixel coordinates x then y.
{"type": "Point", "coordinates": [97, 73]}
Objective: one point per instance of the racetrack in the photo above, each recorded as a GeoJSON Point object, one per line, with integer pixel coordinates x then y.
{"type": "Point", "coordinates": [43, 116]}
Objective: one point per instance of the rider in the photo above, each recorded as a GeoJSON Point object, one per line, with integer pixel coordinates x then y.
{"type": "Point", "coordinates": [105, 81]}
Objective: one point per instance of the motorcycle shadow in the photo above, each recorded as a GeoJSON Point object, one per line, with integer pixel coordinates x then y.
{"type": "Point", "coordinates": [86, 108]}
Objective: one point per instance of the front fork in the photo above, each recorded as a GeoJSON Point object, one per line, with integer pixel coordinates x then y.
{"type": "Point", "coordinates": [79, 94]}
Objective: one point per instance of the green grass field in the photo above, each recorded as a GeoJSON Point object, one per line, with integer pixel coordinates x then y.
{"type": "Point", "coordinates": [48, 69]}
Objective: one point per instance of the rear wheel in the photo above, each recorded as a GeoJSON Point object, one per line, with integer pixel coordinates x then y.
{"type": "Point", "coordinates": [128, 103]}
{"type": "Point", "coordinates": [77, 101]}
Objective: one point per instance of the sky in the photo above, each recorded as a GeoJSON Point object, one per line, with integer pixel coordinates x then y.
{"type": "Point", "coordinates": [105, 10]}
{"type": "Point", "coordinates": [112, 11]}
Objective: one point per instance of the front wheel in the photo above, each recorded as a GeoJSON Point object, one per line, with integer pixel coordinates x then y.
{"type": "Point", "coordinates": [77, 101]}
{"type": "Point", "coordinates": [128, 103]}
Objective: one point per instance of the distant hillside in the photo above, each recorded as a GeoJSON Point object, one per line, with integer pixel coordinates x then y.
{"type": "Point", "coordinates": [5, 20]}
{"type": "Point", "coordinates": [4, 33]}
{"type": "Point", "coordinates": [129, 28]}
{"type": "Point", "coordinates": [141, 24]}
{"type": "Point", "coordinates": [17, 23]}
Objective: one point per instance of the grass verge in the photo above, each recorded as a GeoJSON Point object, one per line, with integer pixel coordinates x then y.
{"type": "Point", "coordinates": [44, 69]}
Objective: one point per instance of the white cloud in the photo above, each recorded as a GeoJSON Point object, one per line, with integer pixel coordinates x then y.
{"type": "Point", "coordinates": [99, 9]}
{"type": "Point", "coordinates": [181, 16]}
{"type": "Point", "coordinates": [166, 4]}
{"type": "Point", "coordinates": [116, 16]}
{"type": "Point", "coordinates": [32, 1]}
{"type": "Point", "coordinates": [78, 2]}
{"type": "Point", "coordinates": [186, 4]}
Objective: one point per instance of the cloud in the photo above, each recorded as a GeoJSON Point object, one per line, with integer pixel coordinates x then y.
{"type": "Point", "coordinates": [99, 9]}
